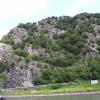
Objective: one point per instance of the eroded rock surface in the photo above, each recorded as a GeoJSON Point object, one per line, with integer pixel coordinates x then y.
{"type": "Point", "coordinates": [18, 35]}
{"type": "Point", "coordinates": [21, 77]}
{"type": "Point", "coordinates": [6, 52]}
{"type": "Point", "coordinates": [49, 30]}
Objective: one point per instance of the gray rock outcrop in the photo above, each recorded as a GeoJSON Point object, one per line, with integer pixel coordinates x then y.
{"type": "Point", "coordinates": [18, 35]}
{"type": "Point", "coordinates": [90, 45]}
{"type": "Point", "coordinates": [6, 53]}
{"type": "Point", "coordinates": [21, 77]}
{"type": "Point", "coordinates": [48, 29]}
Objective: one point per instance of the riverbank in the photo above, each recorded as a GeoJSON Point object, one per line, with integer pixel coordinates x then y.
{"type": "Point", "coordinates": [78, 88]}
{"type": "Point", "coordinates": [65, 94]}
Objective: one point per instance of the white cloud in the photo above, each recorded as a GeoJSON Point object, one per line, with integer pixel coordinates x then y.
{"type": "Point", "coordinates": [22, 8]}
{"type": "Point", "coordinates": [19, 9]}
{"type": "Point", "coordinates": [76, 7]}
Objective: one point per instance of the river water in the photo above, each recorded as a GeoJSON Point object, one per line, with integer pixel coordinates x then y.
{"type": "Point", "coordinates": [75, 97]}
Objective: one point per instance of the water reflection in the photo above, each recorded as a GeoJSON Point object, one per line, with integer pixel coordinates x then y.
{"type": "Point", "coordinates": [85, 97]}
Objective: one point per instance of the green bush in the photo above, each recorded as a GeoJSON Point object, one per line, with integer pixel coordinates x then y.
{"type": "Point", "coordinates": [7, 39]}
{"type": "Point", "coordinates": [21, 52]}
{"type": "Point", "coordinates": [98, 42]}
{"type": "Point", "coordinates": [56, 86]}
{"type": "Point", "coordinates": [3, 66]}
{"type": "Point", "coordinates": [72, 43]}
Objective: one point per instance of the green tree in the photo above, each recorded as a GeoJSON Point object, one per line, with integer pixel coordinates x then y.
{"type": "Point", "coordinates": [3, 66]}
{"type": "Point", "coordinates": [72, 43]}
{"type": "Point", "coordinates": [94, 65]}
{"type": "Point", "coordinates": [21, 52]}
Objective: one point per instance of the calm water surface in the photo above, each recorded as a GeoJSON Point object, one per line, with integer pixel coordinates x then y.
{"type": "Point", "coordinates": [84, 97]}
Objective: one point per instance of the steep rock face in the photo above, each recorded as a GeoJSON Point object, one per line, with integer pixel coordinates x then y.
{"type": "Point", "coordinates": [31, 59]}
{"type": "Point", "coordinates": [48, 29]}
{"type": "Point", "coordinates": [21, 77]}
{"type": "Point", "coordinates": [77, 23]}
{"type": "Point", "coordinates": [17, 77]}
{"type": "Point", "coordinates": [91, 38]}
{"type": "Point", "coordinates": [97, 28]}
{"type": "Point", "coordinates": [90, 45]}
{"type": "Point", "coordinates": [97, 31]}
{"type": "Point", "coordinates": [36, 71]}
{"type": "Point", "coordinates": [36, 52]}
{"type": "Point", "coordinates": [31, 50]}
{"type": "Point", "coordinates": [6, 53]}
{"type": "Point", "coordinates": [18, 35]}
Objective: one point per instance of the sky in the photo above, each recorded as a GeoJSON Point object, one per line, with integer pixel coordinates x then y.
{"type": "Point", "coordinates": [13, 12]}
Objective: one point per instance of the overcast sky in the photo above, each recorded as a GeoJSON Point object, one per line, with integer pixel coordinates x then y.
{"type": "Point", "coordinates": [13, 12]}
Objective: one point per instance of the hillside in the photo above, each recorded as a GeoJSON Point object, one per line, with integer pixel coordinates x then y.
{"type": "Point", "coordinates": [53, 50]}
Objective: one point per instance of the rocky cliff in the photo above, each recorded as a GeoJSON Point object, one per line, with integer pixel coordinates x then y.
{"type": "Point", "coordinates": [31, 52]}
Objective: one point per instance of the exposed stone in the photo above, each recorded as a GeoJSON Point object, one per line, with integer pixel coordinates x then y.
{"type": "Point", "coordinates": [48, 29]}
{"type": "Point", "coordinates": [6, 53]}
{"type": "Point", "coordinates": [37, 52]}
{"type": "Point", "coordinates": [23, 77]}
{"type": "Point", "coordinates": [31, 50]}
{"type": "Point", "coordinates": [17, 77]}
{"type": "Point", "coordinates": [97, 28]}
{"type": "Point", "coordinates": [90, 45]}
{"type": "Point", "coordinates": [26, 71]}
{"type": "Point", "coordinates": [18, 35]}
{"type": "Point", "coordinates": [34, 69]}
{"type": "Point", "coordinates": [77, 23]}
